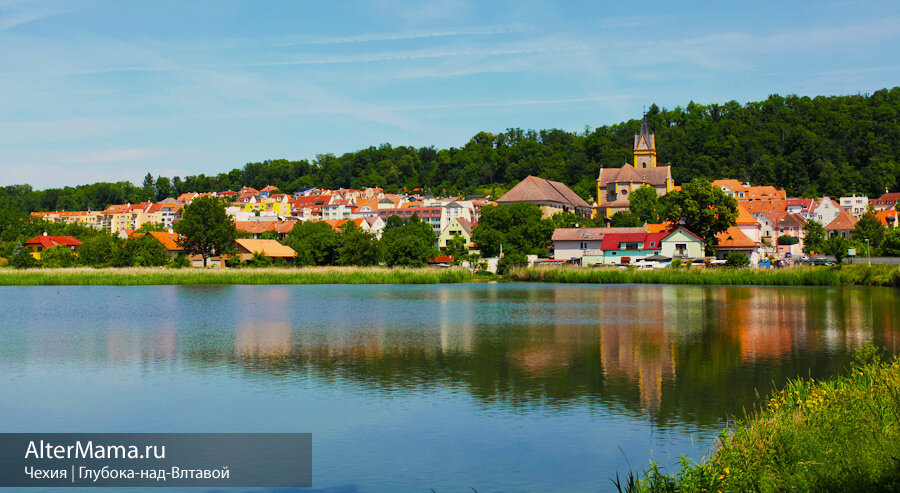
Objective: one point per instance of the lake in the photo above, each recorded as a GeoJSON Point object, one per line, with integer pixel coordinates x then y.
{"type": "Point", "coordinates": [497, 387]}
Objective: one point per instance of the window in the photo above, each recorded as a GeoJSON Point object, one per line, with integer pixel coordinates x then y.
{"type": "Point", "coordinates": [652, 243]}
{"type": "Point", "coordinates": [681, 249]}
{"type": "Point", "coordinates": [584, 245]}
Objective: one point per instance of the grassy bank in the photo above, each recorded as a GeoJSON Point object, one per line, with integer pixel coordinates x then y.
{"type": "Point", "coordinates": [138, 276]}
{"type": "Point", "coordinates": [837, 435]}
{"type": "Point", "coordinates": [865, 275]}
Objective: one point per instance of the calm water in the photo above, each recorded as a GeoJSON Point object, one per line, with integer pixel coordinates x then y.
{"type": "Point", "coordinates": [513, 387]}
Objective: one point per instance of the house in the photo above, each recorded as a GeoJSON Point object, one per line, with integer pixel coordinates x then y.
{"type": "Point", "coordinates": [583, 245]}
{"type": "Point", "coordinates": [748, 224]}
{"type": "Point", "coordinates": [168, 240]}
{"type": "Point", "coordinates": [629, 248]}
{"type": "Point", "coordinates": [246, 247]}
{"type": "Point", "coordinates": [38, 244]}
{"type": "Point", "coordinates": [614, 184]}
{"type": "Point", "coordinates": [799, 206]}
{"type": "Point", "coordinates": [843, 225]}
{"type": "Point", "coordinates": [855, 205]}
{"type": "Point", "coordinates": [744, 192]}
{"type": "Point", "coordinates": [550, 196]}
{"type": "Point", "coordinates": [824, 210]}
{"type": "Point", "coordinates": [886, 201]}
{"type": "Point", "coordinates": [457, 226]}
{"type": "Point", "coordinates": [789, 224]}
{"type": "Point", "coordinates": [889, 218]}
{"type": "Point", "coordinates": [734, 240]}
{"type": "Point", "coordinates": [374, 225]}
{"type": "Point", "coordinates": [268, 191]}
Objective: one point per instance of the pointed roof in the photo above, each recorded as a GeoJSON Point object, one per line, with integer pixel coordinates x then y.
{"type": "Point", "coordinates": [843, 222]}
{"type": "Point", "coordinates": [536, 189]}
{"type": "Point", "coordinates": [744, 217]}
{"type": "Point", "coordinates": [734, 239]}
{"type": "Point", "coordinates": [644, 140]}
{"type": "Point", "coordinates": [52, 241]}
{"type": "Point", "coordinates": [168, 240]}
{"type": "Point", "coordinates": [269, 248]}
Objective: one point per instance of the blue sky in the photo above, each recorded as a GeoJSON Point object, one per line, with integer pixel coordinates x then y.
{"type": "Point", "coordinates": [100, 90]}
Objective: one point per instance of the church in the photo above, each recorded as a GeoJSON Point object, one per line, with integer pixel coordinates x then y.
{"type": "Point", "coordinates": [614, 184]}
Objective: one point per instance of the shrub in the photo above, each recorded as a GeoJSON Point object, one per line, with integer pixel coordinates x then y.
{"type": "Point", "coordinates": [736, 259]}
{"type": "Point", "coordinates": [22, 258]}
{"type": "Point", "coordinates": [58, 256]}
{"type": "Point", "coordinates": [180, 262]}
{"type": "Point", "coordinates": [788, 240]}
{"type": "Point", "coordinates": [511, 260]}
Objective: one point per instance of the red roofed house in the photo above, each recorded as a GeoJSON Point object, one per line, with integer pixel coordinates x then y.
{"type": "Point", "coordinates": [591, 246]}
{"type": "Point", "coordinates": [168, 240]}
{"type": "Point", "coordinates": [40, 243]}
{"type": "Point", "coordinates": [734, 240]}
{"type": "Point", "coordinates": [886, 201]}
{"type": "Point", "coordinates": [889, 218]}
{"type": "Point", "coordinates": [843, 225]}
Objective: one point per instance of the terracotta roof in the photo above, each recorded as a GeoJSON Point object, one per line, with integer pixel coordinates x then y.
{"type": "Point", "coordinates": [269, 248]}
{"type": "Point", "coordinates": [762, 206]}
{"type": "Point", "coordinates": [734, 239]}
{"type": "Point", "coordinates": [579, 234]}
{"type": "Point", "coordinates": [52, 241]}
{"type": "Point", "coordinates": [791, 220]}
{"type": "Point", "coordinates": [888, 199]}
{"type": "Point", "coordinates": [168, 240]}
{"type": "Point", "coordinates": [843, 222]}
{"type": "Point", "coordinates": [731, 183]}
{"type": "Point", "coordinates": [257, 227]}
{"type": "Point", "coordinates": [465, 223]}
{"type": "Point", "coordinates": [535, 189]}
{"type": "Point", "coordinates": [889, 213]}
{"type": "Point", "coordinates": [744, 217]}
{"type": "Point", "coordinates": [629, 174]}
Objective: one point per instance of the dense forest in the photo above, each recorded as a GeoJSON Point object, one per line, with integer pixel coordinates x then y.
{"type": "Point", "coordinates": [829, 145]}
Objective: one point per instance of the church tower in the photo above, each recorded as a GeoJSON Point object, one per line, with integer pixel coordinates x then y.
{"type": "Point", "coordinates": [644, 147]}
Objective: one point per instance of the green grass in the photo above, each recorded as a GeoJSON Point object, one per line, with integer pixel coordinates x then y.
{"type": "Point", "coordinates": [868, 275]}
{"type": "Point", "coordinates": [137, 276]}
{"type": "Point", "coordinates": [842, 434]}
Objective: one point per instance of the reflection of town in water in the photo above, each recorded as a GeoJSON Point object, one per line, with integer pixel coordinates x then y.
{"type": "Point", "coordinates": [675, 353]}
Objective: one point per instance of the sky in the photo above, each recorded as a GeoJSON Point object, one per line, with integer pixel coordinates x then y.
{"type": "Point", "coordinates": [96, 90]}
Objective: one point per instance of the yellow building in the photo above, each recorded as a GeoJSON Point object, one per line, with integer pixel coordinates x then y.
{"type": "Point", "coordinates": [280, 208]}
{"type": "Point", "coordinates": [615, 184]}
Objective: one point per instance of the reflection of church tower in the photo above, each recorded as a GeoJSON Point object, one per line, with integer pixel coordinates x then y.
{"type": "Point", "coordinates": [644, 147]}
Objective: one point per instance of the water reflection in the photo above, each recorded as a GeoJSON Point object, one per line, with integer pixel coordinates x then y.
{"type": "Point", "coordinates": [674, 353]}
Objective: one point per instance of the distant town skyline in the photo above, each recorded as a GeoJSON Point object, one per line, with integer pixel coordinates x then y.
{"type": "Point", "coordinates": [100, 90]}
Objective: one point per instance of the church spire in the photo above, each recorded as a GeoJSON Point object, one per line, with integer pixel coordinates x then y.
{"type": "Point", "coordinates": [644, 147]}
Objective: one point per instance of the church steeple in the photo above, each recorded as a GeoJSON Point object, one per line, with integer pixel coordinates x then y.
{"type": "Point", "coordinates": [644, 147]}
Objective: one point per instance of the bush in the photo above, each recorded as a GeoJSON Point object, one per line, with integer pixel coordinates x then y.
{"type": "Point", "coordinates": [22, 258]}
{"type": "Point", "coordinates": [58, 256]}
{"type": "Point", "coordinates": [736, 259]}
{"type": "Point", "coordinates": [259, 259]}
{"type": "Point", "coordinates": [180, 262]}
{"type": "Point", "coordinates": [511, 260]}
{"type": "Point", "coordinates": [788, 240]}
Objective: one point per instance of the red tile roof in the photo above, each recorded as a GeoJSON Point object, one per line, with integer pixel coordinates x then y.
{"type": "Point", "coordinates": [52, 241]}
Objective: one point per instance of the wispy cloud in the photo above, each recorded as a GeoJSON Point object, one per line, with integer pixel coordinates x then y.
{"type": "Point", "coordinates": [18, 18]}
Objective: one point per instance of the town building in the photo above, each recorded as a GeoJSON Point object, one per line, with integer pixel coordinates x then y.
{"type": "Point", "coordinates": [615, 184]}
{"type": "Point", "coordinates": [38, 244]}
{"type": "Point", "coordinates": [551, 196]}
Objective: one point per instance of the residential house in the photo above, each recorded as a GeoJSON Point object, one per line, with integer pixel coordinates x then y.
{"type": "Point", "coordinates": [855, 205]}
{"type": "Point", "coordinates": [824, 210]}
{"type": "Point", "coordinates": [629, 248]}
{"type": "Point", "coordinates": [734, 240]}
{"type": "Point", "coordinates": [886, 201]}
{"type": "Point", "coordinates": [788, 224]}
{"type": "Point", "coordinates": [843, 225]}
{"type": "Point", "coordinates": [748, 224]}
{"type": "Point", "coordinates": [799, 206]}
{"type": "Point", "coordinates": [168, 240]}
{"type": "Point", "coordinates": [38, 244]}
{"type": "Point", "coordinates": [583, 245]}
{"type": "Point", "coordinates": [550, 196]}
{"type": "Point", "coordinates": [890, 218]}
{"type": "Point", "coordinates": [246, 247]}
{"type": "Point", "coordinates": [458, 226]}
{"type": "Point", "coordinates": [267, 192]}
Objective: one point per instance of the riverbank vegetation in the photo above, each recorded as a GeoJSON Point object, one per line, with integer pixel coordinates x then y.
{"type": "Point", "coordinates": [140, 276]}
{"type": "Point", "coordinates": [841, 434]}
{"type": "Point", "coordinates": [865, 275]}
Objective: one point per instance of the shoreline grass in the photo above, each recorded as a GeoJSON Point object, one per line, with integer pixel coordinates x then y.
{"type": "Point", "coordinates": [863, 275]}
{"type": "Point", "coordinates": [841, 434]}
{"type": "Point", "coordinates": [148, 276]}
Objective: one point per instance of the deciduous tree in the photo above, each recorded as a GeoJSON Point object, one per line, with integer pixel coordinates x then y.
{"type": "Point", "coordinates": [206, 229]}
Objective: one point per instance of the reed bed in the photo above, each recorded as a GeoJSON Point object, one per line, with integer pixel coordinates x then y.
{"type": "Point", "coordinates": [144, 276]}
{"type": "Point", "coordinates": [867, 275]}
{"type": "Point", "coordinates": [842, 434]}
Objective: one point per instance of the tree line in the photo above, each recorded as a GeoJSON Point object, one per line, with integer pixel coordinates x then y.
{"type": "Point", "coordinates": [826, 145]}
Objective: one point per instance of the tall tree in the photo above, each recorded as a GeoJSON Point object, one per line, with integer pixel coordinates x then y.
{"type": "Point", "coordinates": [701, 208]}
{"type": "Point", "coordinates": [206, 229]}
{"type": "Point", "coordinates": [813, 236]}
{"type": "Point", "coordinates": [644, 203]}
{"type": "Point", "coordinates": [315, 242]}
{"type": "Point", "coordinates": [163, 188]}
{"type": "Point", "coordinates": [869, 227]}
{"type": "Point", "coordinates": [409, 245]}
{"type": "Point", "coordinates": [149, 187]}
{"type": "Point", "coordinates": [357, 247]}
{"type": "Point", "coordinates": [517, 228]}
